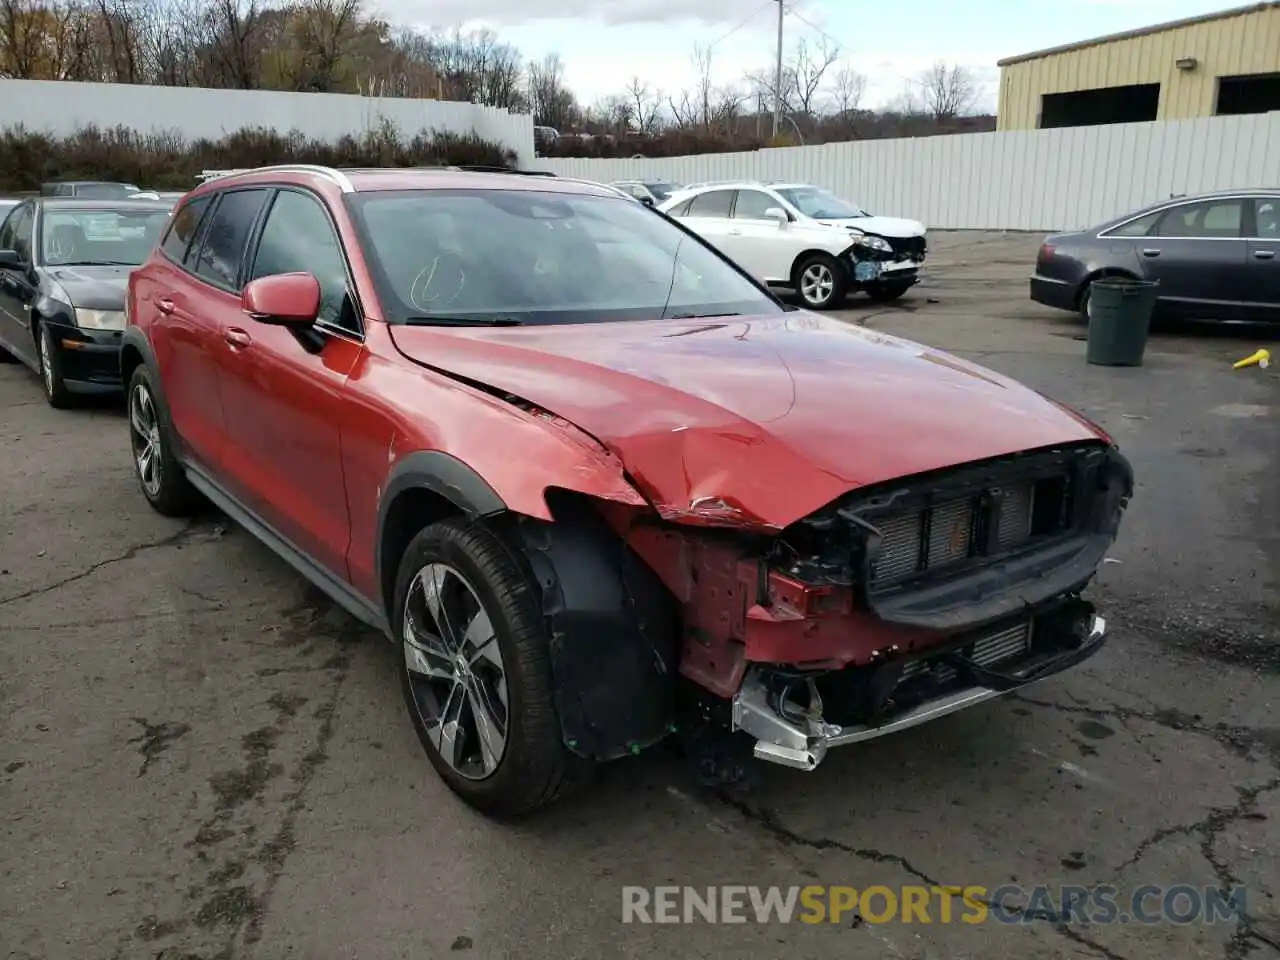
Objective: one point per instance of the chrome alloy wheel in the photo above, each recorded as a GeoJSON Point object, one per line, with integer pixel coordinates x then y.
{"type": "Point", "coordinates": [144, 436]}
{"type": "Point", "coordinates": [46, 364]}
{"type": "Point", "coordinates": [456, 671]}
{"type": "Point", "coordinates": [816, 283]}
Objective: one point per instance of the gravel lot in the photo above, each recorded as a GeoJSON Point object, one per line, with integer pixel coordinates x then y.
{"type": "Point", "coordinates": [201, 758]}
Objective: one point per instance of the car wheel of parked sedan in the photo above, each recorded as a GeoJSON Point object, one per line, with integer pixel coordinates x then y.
{"type": "Point", "coordinates": [821, 282]}
{"type": "Point", "coordinates": [476, 671]}
{"type": "Point", "coordinates": [55, 388]}
{"type": "Point", "coordinates": [1083, 306]}
{"type": "Point", "coordinates": [164, 483]}
{"type": "Point", "coordinates": [884, 292]}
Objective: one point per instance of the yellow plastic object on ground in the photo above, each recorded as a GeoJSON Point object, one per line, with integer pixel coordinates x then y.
{"type": "Point", "coordinates": [1261, 358]}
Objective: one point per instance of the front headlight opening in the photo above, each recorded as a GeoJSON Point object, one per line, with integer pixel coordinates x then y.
{"type": "Point", "coordinates": [99, 319]}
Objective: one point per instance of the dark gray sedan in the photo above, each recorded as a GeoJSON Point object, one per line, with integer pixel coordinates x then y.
{"type": "Point", "coordinates": [1215, 255]}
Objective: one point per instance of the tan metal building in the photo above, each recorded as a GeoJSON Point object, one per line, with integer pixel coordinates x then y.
{"type": "Point", "coordinates": [1219, 63]}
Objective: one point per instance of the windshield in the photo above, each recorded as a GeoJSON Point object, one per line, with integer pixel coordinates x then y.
{"type": "Point", "coordinates": [534, 257]}
{"type": "Point", "coordinates": [104, 191]}
{"type": "Point", "coordinates": [100, 235]}
{"type": "Point", "coordinates": [820, 204]}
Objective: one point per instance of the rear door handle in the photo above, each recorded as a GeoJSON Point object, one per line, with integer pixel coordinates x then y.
{"type": "Point", "coordinates": [1151, 253]}
{"type": "Point", "coordinates": [164, 305]}
{"type": "Point", "coordinates": [238, 338]}
{"type": "Point", "coordinates": [735, 233]}
{"type": "Point", "coordinates": [1265, 254]}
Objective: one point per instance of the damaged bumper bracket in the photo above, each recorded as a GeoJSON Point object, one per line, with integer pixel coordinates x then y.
{"type": "Point", "coordinates": [783, 741]}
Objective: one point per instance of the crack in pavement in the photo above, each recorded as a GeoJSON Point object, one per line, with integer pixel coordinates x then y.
{"type": "Point", "coordinates": [768, 819]}
{"type": "Point", "coordinates": [1240, 739]}
{"type": "Point", "coordinates": [173, 539]}
{"type": "Point", "coordinates": [1235, 737]}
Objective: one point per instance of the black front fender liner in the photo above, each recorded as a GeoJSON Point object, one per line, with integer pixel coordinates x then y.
{"type": "Point", "coordinates": [613, 628]}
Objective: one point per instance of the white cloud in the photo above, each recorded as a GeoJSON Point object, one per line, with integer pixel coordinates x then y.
{"type": "Point", "coordinates": [507, 13]}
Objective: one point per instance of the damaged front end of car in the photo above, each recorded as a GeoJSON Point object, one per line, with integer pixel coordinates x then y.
{"type": "Point", "coordinates": [893, 605]}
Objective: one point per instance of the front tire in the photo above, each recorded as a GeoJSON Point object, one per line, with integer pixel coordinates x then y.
{"type": "Point", "coordinates": [51, 381]}
{"type": "Point", "coordinates": [475, 670]}
{"type": "Point", "coordinates": [821, 281]}
{"type": "Point", "coordinates": [164, 483]}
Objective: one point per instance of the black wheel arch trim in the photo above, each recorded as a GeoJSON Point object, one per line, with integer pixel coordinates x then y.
{"type": "Point", "coordinates": [444, 475]}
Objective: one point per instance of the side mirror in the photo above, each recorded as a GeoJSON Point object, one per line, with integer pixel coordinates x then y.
{"type": "Point", "coordinates": [647, 201]}
{"type": "Point", "coordinates": [286, 299]}
{"type": "Point", "coordinates": [777, 213]}
{"type": "Point", "coordinates": [10, 258]}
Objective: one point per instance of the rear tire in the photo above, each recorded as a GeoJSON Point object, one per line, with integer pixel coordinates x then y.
{"type": "Point", "coordinates": [163, 480]}
{"type": "Point", "coordinates": [821, 281]}
{"type": "Point", "coordinates": [1082, 305]}
{"type": "Point", "coordinates": [484, 664]}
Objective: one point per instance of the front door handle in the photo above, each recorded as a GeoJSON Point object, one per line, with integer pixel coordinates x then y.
{"type": "Point", "coordinates": [735, 233]}
{"type": "Point", "coordinates": [237, 338]}
{"type": "Point", "coordinates": [1152, 253]}
{"type": "Point", "coordinates": [1265, 254]}
{"type": "Point", "coordinates": [164, 305]}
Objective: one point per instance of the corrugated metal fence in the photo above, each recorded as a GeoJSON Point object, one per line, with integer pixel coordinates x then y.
{"type": "Point", "coordinates": [63, 107]}
{"type": "Point", "coordinates": [1020, 180]}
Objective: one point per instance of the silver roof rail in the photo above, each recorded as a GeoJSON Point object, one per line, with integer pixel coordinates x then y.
{"type": "Point", "coordinates": [720, 183]}
{"type": "Point", "coordinates": [337, 176]}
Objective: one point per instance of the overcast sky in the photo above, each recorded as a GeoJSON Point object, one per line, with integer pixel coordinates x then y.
{"type": "Point", "coordinates": [605, 42]}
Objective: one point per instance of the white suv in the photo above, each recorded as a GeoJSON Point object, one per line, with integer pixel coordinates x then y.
{"type": "Point", "coordinates": [802, 237]}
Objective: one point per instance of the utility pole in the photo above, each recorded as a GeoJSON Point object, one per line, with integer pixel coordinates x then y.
{"type": "Point", "coordinates": [777, 76]}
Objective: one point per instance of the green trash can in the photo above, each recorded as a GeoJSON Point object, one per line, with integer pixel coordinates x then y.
{"type": "Point", "coordinates": [1120, 311]}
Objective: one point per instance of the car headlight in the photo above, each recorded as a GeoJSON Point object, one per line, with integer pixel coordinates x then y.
{"type": "Point", "coordinates": [99, 319]}
{"type": "Point", "coordinates": [874, 243]}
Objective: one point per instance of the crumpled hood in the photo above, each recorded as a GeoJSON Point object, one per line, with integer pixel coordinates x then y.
{"type": "Point", "coordinates": [881, 226]}
{"type": "Point", "coordinates": [765, 419]}
{"type": "Point", "coordinates": [94, 288]}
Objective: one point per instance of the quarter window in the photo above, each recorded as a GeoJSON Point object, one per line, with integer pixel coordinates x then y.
{"type": "Point", "coordinates": [182, 230]}
{"type": "Point", "coordinates": [713, 203]}
{"type": "Point", "coordinates": [299, 238]}
{"type": "Point", "coordinates": [1138, 228]}
{"type": "Point", "coordinates": [224, 241]}
{"type": "Point", "coordinates": [1209, 218]}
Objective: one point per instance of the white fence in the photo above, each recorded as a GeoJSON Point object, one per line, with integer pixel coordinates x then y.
{"type": "Point", "coordinates": [62, 108]}
{"type": "Point", "coordinates": [1020, 180]}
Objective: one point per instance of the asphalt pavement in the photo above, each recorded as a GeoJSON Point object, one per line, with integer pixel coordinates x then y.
{"type": "Point", "coordinates": [202, 759]}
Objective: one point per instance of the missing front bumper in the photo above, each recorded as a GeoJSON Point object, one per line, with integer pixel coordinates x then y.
{"type": "Point", "coordinates": [804, 744]}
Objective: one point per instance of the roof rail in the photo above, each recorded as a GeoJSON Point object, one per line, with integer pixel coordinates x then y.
{"type": "Point", "coordinates": [337, 176]}
{"type": "Point", "coordinates": [719, 183]}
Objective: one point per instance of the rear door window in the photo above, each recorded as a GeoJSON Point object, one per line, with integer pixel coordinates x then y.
{"type": "Point", "coordinates": [1217, 219]}
{"type": "Point", "coordinates": [713, 203]}
{"type": "Point", "coordinates": [222, 250]}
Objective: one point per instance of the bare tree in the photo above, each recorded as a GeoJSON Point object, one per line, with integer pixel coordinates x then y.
{"type": "Point", "coordinates": [552, 103]}
{"type": "Point", "coordinates": [646, 106]}
{"type": "Point", "coordinates": [232, 40]}
{"type": "Point", "coordinates": [848, 87]}
{"type": "Point", "coordinates": [803, 75]}
{"type": "Point", "coordinates": [321, 32]}
{"type": "Point", "coordinates": [947, 91]}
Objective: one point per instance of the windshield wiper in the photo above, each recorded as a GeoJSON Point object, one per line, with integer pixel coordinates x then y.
{"type": "Point", "coordinates": [463, 322]}
{"type": "Point", "coordinates": [98, 263]}
{"type": "Point", "coordinates": [698, 316]}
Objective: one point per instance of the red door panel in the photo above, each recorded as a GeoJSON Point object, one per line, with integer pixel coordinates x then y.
{"type": "Point", "coordinates": [283, 454]}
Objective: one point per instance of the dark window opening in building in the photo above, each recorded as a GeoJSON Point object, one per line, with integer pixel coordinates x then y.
{"type": "Point", "coordinates": [1135, 103]}
{"type": "Point", "coordinates": [1256, 93]}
